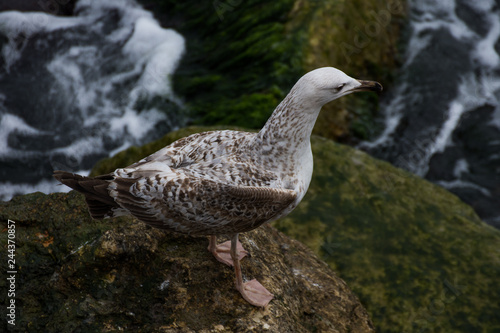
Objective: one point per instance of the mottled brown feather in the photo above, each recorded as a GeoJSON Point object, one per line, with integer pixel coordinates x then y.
{"type": "Point", "coordinates": [95, 190]}
{"type": "Point", "coordinates": [203, 207]}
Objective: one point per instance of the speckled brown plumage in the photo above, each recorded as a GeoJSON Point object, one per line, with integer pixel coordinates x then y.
{"type": "Point", "coordinates": [199, 185]}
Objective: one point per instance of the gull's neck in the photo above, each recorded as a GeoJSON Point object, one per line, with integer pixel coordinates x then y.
{"type": "Point", "coordinates": [288, 130]}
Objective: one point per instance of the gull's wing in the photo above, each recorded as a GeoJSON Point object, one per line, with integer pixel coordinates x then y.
{"type": "Point", "coordinates": [195, 148]}
{"type": "Point", "coordinates": [168, 200]}
{"type": "Point", "coordinates": [195, 185]}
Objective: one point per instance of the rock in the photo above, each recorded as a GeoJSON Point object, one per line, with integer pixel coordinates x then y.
{"type": "Point", "coordinates": [417, 256]}
{"type": "Point", "coordinates": [79, 274]}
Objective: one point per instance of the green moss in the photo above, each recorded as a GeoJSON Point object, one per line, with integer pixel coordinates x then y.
{"type": "Point", "coordinates": [244, 56]}
{"type": "Point", "coordinates": [67, 229]}
{"type": "Point", "coordinates": [240, 59]}
{"type": "Point", "coordinates": [361, 38]}
{"type": "Point", "coordinates": [249, 110]}
{"type": "Point", "coordinates": [418, 257]}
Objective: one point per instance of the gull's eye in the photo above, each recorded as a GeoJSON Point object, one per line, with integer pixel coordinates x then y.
{"type": "Point", "coordinates": [339, 87]}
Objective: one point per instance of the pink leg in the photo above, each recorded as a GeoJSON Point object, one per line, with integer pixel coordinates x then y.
{"type": "Point", "coordinates": [222, 251]}
{"type": "Point", "coordinates": [253, 292]}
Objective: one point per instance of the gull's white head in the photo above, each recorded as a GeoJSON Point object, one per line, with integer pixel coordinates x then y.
{"type": "Point", "coordinates": [325, 84]}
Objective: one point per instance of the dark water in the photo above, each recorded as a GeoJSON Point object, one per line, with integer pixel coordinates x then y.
{"type": "Point", "coordinates": [443, 120]}
{"type": "Point", "coordinates": [76, 89]}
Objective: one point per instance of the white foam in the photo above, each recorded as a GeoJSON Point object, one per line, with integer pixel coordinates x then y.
{"type": "Point", "coordinates": [81, 147]}
{"type": "Point", "coordinates": [458, 183]}
{"type": "Point", "coordinates": [474, 90]}
{"type": "Point", "coordinates": [67, 69]}
{"type": "Point", "coordinates": [45, 186]}
{"type": "Point", "coordinates": [14, 22]}
{"type": "Point", "coordinates": [438, 15]}
{"type": "Point", "coordinates": [461, 167]}
{"type": "Point", "coordinates": [393, 115]}
{"type": "Point", "coordinates": [468, 98]}
{"type": "Point", "coordinates": [485, 49]}
{"type": "Point", "coordinates": [10, 123]}
{"type": "Point", "coordinates": [124, 146]}
{"type": "Point", "coordinates": [148, 45]}
{"type": "Point", "coordinates": [435, 15]}
{"type": "Point", "coordinates": [415, 46]}
{"type": "Point", "coordinates": [22, 26]}
{"type": "Point", "coordinates": [495, 121]}
{"type": "Point", "coordinates": [136, 124]}
{"type": "Point", "coordinates": [455, 111]}
{"type": "Point", "coordinates": [149, 56]}
{"type": "Point", "coordinates": [485, 6]}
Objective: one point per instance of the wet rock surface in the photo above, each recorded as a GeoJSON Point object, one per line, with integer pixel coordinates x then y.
{"type": "Point", "coordinates": [78, 275]}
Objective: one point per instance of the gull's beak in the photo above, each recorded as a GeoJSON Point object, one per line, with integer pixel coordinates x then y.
{"type": "Point", "coordinates": [368, 86]}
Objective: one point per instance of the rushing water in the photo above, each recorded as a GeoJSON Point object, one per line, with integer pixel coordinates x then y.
{"type": "Point", "coordinates": [77, 89]}
{"type": "Point", "coordinates": [443, 120]}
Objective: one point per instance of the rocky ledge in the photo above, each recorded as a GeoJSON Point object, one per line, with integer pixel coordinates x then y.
{"type": "Point", "coordinates": [75, 274]}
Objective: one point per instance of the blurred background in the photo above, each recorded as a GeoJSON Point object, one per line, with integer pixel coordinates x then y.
{"type": "Point", "coordinates": [97, 78]}
{"type": "Point", "coordinates": [83, 80]}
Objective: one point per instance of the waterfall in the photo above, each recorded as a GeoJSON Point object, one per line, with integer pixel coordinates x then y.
{"type": "Point", "coordinates": [443, 119]}
{"type": "Point", "coordinates": [76, 89]}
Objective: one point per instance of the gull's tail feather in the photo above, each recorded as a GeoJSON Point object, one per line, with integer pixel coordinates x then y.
{"type": "Point", "coordinates": [95, 189]}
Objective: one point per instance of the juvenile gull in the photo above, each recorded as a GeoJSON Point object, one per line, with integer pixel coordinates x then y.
{"type": "Point", "coordinates": [224, 182]}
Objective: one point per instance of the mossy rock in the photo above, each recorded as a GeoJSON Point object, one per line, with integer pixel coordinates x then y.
{"type": "Point", "coordinates": [75, 274]}
{"type": "Point", "coordinates": [418, 257]}
{"type": "Point", "coordinates": [242, 57]}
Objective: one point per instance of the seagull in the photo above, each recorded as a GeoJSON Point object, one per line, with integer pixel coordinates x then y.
{"type": "Point", "coordinates": [224, 182]}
